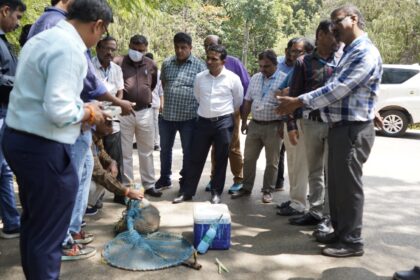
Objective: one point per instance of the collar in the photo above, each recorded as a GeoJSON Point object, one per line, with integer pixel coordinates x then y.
{"type": "Point", "coordinates": [272, 77]}
{"type": "Point", "coordinates": [54, 9]}
{"type": "Point", "coordinates": [222, 73]}
{"type": "Point", "coordinates": [98, 64]}
{"type": "Point", "coordinates": [189, 59]}
{"type": "Point", "coordinates": [356, 42]}
{"type": "Point", "coordinates": [69, 28]}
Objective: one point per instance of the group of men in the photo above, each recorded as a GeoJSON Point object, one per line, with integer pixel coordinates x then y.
{"type": "Point", "coordinates": [325, 96]}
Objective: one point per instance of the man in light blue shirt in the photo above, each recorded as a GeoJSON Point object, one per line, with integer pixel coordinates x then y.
{"type": "Point", "coordinates": [44, 120]}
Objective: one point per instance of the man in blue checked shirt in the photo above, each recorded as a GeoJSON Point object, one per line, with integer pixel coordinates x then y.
{"type": "Point", "coordinates": [347, 102]}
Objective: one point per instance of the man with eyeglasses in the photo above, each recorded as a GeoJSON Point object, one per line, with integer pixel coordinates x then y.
{"type": "Point", "coordinates": [347, 103]}
{"type": "Point", "coordinates": [111, 75]}
{"type": "Point", "coordinates": [140, 79]}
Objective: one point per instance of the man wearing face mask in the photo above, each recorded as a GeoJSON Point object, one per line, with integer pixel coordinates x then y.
{"type": "Point", "coordinates": [140, 78]}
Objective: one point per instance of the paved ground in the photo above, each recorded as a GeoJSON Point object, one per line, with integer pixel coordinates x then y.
{"type": "Point", "coordinates": [264, 245]}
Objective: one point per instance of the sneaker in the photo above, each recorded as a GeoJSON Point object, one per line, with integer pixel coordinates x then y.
{"type": "Point", "coordinates": [82, 237]}
{"type": "Point", "coordinates": [161, 187]}
{"type": "Point", "coordinates": [9, 234]}
{"type": "Point", "coordinates": [74, 252]}
{"type": "Point", "coordinates": [91, 211]}
{"type": "Point", "coordinates": [208, 187]}
{"type": "Point", "coordinates": [234, 188]}
{"type": "Point", "coordinates": [267, 197]}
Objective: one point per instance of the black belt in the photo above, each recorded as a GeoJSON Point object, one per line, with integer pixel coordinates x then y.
{"type": "Point", "coordinates": [347, 123]}
{"type": "Point", "coordinates": [139, 108]}
{"type": "Point", "coordinates": [266, 122]}
{"type": "Point", "coordinates": [215, 119]}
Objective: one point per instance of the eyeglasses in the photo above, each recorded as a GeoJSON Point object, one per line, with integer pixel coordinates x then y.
{"type": "Point", "coordinates": [296, 52]}
{"type": "Point", "coordinates": [106, 34]}
{"type": "Point", "coordinates": [339, 20]}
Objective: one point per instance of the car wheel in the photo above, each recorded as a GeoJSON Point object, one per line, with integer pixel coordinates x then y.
{"type": "Point", "coordinates": [395, 123]}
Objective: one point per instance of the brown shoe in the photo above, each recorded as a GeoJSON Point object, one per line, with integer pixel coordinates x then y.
{"type": "Point", "coordinates": [267, 197]}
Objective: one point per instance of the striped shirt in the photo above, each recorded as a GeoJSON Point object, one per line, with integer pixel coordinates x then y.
{"type": "Point", "coordinates": [178, 81]}
{"type": "Point", "coordinates": [261, 93]}
{"type": "Point", "coordinates": [351, 92]}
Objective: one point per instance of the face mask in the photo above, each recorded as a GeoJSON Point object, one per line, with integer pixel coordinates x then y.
{"type": "Point", "coordinates": [135, 56]}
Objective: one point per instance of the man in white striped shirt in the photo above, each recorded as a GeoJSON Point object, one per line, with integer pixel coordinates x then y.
{"type": "Point", "coordinates": [219, 93]}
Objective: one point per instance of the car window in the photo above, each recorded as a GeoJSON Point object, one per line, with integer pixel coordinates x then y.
{"type": "Point", "coordinates": [397, 76]}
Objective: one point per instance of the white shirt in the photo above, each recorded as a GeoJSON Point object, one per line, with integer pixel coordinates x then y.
{"type": "Point", "coordinates": [157, 93]}
{"type": "Point", "coordinates": [218, 96]}
{"type": "Point", "coordinates": [45, 100]}
{"type": "Point", "coordinates": [112, 77]}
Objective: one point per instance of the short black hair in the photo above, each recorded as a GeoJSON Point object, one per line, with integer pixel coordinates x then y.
{"type": "Point", "coordinates": [14, 4]}
{"type": "Point", "coordinates": [90, 10]}
{"type": "Point", "coordinates": [270, 55]}
{"type": "Point", "coordinates": [307, 45]}
{"type": "Point", "coordinates": [351, 10]}
{"type": "Point", "coordinates": [139, 40]}
{"type": "Point", "coordinates": [24, 34]}
{"type": "Point", "coordinates": [219, 49]}
{"type": "Point", "coordinates": [149, 55]}
{"type": "Point", "coordinates": [324, 26]}
{"type": "Point", "coordinates": [106, 39]}
{"type": "Point", "coordinates": [54, 2]}
{"type": "Point", "coordinates": [182, 37]}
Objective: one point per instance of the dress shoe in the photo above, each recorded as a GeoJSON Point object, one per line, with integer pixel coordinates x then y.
{"type": "Point", "coordinates": [288, 211]}
{"type": "Point", "coordinates": [413, 274]}
{"type": "Point", "coordinates": [341, 251]}
{"type": "Point", "coordinates": [215, 199]}
{"type": "Point", "coordinates": [181, 198]}
{"type": "Point", "coordinates": [160, 187]}
{"type": "Point", "coordinates": [242, 192]}
{"type": "Point", "coordinates": [283, 204]}
{"type": "Point", "coordinates": [279, 188]}
{"type": "Point", "coordinates": [326, 238]}
{"type": "Point", "coordinates": [306, 219]}
{"type": "Point", "coordinates": [153, 192]}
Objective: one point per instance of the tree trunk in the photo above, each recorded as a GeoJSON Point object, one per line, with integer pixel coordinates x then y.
{"type": "Point", "coordinates": [246, 43]}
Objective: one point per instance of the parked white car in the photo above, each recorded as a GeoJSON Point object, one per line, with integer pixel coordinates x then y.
{"type": "Point", "coordinates": [399, 98]}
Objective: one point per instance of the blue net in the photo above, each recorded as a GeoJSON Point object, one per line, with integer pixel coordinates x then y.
{"type": "Point", "coordinates": [133, 251]}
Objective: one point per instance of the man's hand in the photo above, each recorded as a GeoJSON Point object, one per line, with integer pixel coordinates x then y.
{"type": "Point", "coordinates": [244, 127]}
{"type": "Point", "coordinates": [126, 107]}
{"type": "Point", "coordinates": [135, 194]}
{"type": "Point", "coordinates": [113, 168]}
{"type": "Point", "coordinates": [378, 121]}
{"type": "Point", "coordinates": [293, 137]}
{"type": "Point", "coordinates": [99, 116]}
{"type": "Point", "coordinates": [281, 92]}
{"type": "Point", "coordinates": [288, 105]}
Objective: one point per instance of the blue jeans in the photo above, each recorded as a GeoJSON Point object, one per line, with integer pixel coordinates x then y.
{"type": "Point", "coordinates": [168, 130]}
{"type": "Point", "coordinates": [82, 157]}
{"type": "Point", "coordinates": [8, 211]}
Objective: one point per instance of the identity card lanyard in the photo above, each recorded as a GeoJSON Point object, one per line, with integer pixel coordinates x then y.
{"type": "Point", "coordinates": [266, 88]}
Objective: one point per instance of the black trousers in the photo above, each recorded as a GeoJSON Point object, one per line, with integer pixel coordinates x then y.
{"type": "Point", "coordinates": [349, 147]}
{"type": "Point", "coordinates": [280, 172]}
{"type": "Point", "coordinates": [206, 133]}
{"type": "Point", "coordinates": [48, 185]}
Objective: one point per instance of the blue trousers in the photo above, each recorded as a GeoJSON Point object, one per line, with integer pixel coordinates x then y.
{"type": "Point", "coordinates": [48, 185]}
{"type": "Point", "coordinates": [207, 133]}
{"type": "Point", "coordinates": [168, 130]}
{"type": "Point", "coordinates": [8, 211]}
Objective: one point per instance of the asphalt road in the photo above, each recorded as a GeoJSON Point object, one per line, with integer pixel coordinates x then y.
{"type": "Point", "coordinates": [264, 245]}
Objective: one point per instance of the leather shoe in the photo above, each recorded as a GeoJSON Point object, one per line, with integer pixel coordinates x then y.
{"type": "Point", "coordinates": [306, 219]}
{"type": "Point", "coordinates": [325, 238]}
{"type": "Point", "coordinates": [342, 252]}
{"type": "Point", "coordinates": [288, 211]}
{"type": "Point", "coordinates": [215, 199]}
{"type": "Point", "coordinates": [283, 204]}
{"type": "Point", "coordinates": [181, 198]}
{"type": "Point", "coordinates": [413, 274]}
{"type": "Point", "coordinates": [153, 192]}
{"type": "Point", "coordinates": [240, 193]}
{"type": "Point", "coordinates": [325, 225]}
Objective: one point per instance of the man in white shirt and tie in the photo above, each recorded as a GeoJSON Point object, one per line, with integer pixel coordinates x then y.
{"type": "Point", "coordinates": [219, 93]}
